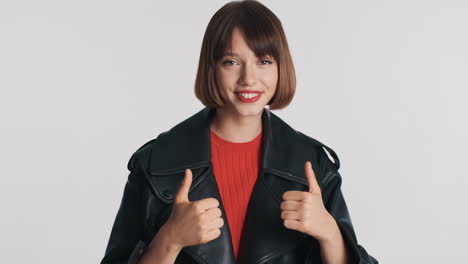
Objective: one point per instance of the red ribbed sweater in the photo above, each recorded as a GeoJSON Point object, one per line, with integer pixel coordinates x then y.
{"type": "Point", "coordinates": [235, 166]}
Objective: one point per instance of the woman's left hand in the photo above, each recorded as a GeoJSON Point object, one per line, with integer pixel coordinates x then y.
{"type": "Point", "coordinates": [305, 212]}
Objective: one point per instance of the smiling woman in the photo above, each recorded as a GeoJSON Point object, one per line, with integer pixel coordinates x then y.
{"type": "Point", "coordinates": [234, 183]}
{"type": "Point", "coordinates": [244, 80]}
{"type": "Point", "coordinates": [236, 55]}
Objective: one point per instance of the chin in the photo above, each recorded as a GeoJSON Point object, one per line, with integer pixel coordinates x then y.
{"type": "Point", "coordinates": [249, 110]}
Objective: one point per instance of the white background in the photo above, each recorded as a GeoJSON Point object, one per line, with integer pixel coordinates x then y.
{"type": "Point", "coordinates": [86, 83]}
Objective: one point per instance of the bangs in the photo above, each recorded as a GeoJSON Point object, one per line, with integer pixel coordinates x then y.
{"type": "Point", "coordinates": [263, 34]}
{"type": "Point", "coordinates": [258, 30]}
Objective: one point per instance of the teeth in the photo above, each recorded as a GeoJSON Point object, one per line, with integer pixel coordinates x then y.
{"type": "Point", "coordinates": [248, 95]}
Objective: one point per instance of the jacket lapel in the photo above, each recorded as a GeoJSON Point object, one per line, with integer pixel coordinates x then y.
{"type": "Point", "coordinates": [284, 152]}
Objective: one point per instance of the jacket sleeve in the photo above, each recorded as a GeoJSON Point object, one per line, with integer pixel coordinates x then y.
{"type": "Point", "coordinates": [335, 204]}
{"type": "Point", "coordinates": [125, 244]}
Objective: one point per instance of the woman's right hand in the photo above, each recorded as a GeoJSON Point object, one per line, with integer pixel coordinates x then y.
{"type": "Point", "coordinates": [193, 223]}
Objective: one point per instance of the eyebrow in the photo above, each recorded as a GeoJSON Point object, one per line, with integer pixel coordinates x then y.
{"type": "Point", "coordinates": [228, 53]}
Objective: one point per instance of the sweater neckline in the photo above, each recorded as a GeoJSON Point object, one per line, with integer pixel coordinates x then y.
{"type": "Point", "coordinates": [236, 146]}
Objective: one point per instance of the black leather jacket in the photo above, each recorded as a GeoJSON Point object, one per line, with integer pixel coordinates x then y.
{"type": "Point", "coordinates": [157, 169]}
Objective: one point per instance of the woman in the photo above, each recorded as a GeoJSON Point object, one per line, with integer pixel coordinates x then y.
{"type": "Point", "coordinates": [234, 183]}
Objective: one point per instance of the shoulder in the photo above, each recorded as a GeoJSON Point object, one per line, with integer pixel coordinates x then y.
{"type": "Point", "coordinates": [322, 151]}
{"type": "Point", "coordinates": [327, 160]}
{"type": "Point", "coordinates": [141, 155]}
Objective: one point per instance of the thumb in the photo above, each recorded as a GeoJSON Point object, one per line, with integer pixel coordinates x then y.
{"type": "Point", "coordinates": [311, 179]}
{"type": "Point", "coordinates": [182, 194]}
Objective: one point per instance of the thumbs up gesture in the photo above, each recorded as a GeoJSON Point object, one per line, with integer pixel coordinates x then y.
{"type": "Point", "coordinates": [192, 223]}
{"type": "Point", "coordinates": [305, 211]}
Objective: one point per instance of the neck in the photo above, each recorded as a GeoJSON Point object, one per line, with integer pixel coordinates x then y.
{"type": "Point", "coordinates": [235, 128]}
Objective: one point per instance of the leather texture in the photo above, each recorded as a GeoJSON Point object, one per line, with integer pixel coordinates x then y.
{"type": "Point", "coordinates": [157, 169]}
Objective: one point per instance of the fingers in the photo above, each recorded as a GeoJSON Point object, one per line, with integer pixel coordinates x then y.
{"type": "Point", "coordinates": [198, 221]}
{"type": "Point", "coordinates": [217, 223]}
{"type": "Point", "coordinates": [208, 203]}
{"type": "Point", "coordinates": [182, 194]}
{"type": "Point", "coordinates": [214, 228]}
{"type": "Point", "coordinates": [311, 179]}
{"type": "Point", "coordinates": [294, 195]}
{"type": "Point", "coordinates": [291, 215]}
{"type": "Point", "coordinates": [290, 205]}
{"type": "Point", "coordinates": [212, 213]}
{"type": "Point", "coordinates": [213, 234]}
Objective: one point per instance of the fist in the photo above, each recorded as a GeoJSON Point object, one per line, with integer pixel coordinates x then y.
{"type": "Point", "coordinates": [305, 211]}
{"type": "Point", "coordinates": [193, 223]}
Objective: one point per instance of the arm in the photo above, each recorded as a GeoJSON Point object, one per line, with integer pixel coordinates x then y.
{"type": "Point", "coordinates": [125, 244]}
{"type": "Point", "coordinates": [332, 248]}
{"type": "Point", "coordinates": [336, 205]}
{"type": "Point", "coordinates": [341, 228]}
{"type": "Point", "coordinates": [161, 250]}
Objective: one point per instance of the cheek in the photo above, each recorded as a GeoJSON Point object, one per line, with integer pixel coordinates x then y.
{"type": "Point", "coordinates": [271, 81]}
{"type": "Point", "coordinates": [226, 79]}
{"type": "Point", "coordinates": [225, 84]}
{"type": "Point", "coordinates": [272, 77]}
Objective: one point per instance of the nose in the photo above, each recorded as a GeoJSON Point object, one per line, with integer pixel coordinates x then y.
{"type": "Point", "coordinates": [248, 75]}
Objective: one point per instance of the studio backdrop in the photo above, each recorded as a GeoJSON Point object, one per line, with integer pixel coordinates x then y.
{"type": "Point", "coordinates": [83, 84]}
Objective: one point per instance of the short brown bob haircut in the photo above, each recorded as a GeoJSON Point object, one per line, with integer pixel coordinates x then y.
{"type": "Point", "coordinates": [264, 35]}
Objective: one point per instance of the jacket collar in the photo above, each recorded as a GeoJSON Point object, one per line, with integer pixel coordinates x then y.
{"type": "Point", "coordinates": [284, 152]}
{"type": "Point", "coordinates": [189, 142]}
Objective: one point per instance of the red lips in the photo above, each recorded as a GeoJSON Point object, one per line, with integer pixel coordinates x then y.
{"type": "Point", "coordinates": [248, 91]}
{"type": "Point", "coordinates": [248, 100]}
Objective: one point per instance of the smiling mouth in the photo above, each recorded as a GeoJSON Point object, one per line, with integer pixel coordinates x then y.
{"type": "Point", "coordinates": [249, 96]}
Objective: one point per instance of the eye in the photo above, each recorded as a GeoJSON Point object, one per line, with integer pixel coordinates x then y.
{"type": "Point", "coordinates": [228, 62]}
{"type": "Point", "coordinates": [267, 61]}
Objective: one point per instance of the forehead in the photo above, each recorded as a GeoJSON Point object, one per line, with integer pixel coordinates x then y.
{"type": "Point", "coordinates": [239, 47]}
{"type": "Point", "coordinates": [238, 44]}
{"type": "Point", "coordinates": [246, 42]}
